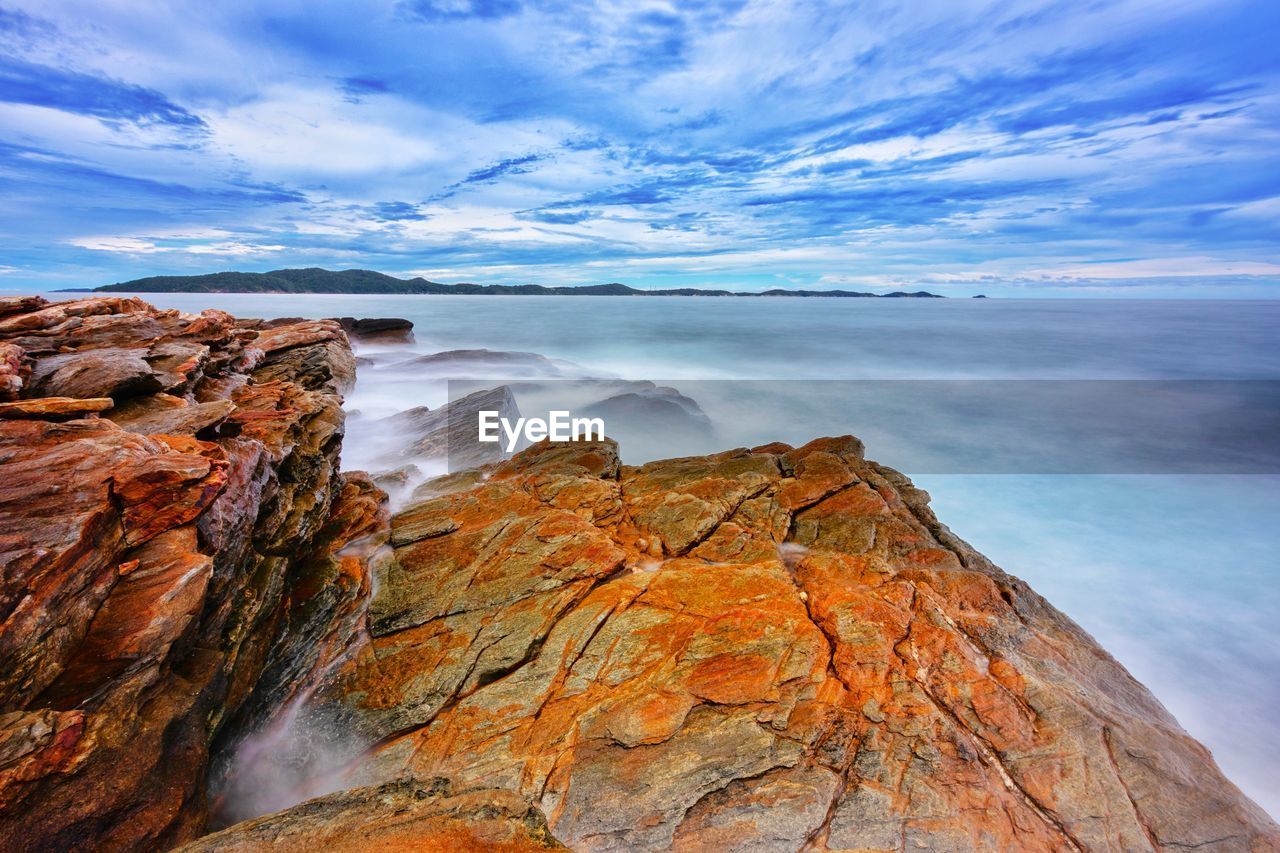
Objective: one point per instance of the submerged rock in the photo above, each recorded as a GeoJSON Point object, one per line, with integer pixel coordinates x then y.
{"type": "Point", "coordinates": [446, 433]}
{"type": "Point", "coordinates": [655, 412]}
{"type": "Point", "coordinates": [488, 364]}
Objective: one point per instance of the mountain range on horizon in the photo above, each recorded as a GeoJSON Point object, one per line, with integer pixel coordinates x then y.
{"type": "Point", "coordinates": [357, 281]}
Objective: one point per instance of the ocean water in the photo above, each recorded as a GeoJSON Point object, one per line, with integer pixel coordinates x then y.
{"type": "Point", "coordinates": [1170, 564]}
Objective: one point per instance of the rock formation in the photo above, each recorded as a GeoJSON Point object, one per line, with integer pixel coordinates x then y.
{"type": "Point", "coordinates": [488, 364]}
{"type": "Point", "coordinates": [391, 330]}
{"type": "Point", "coordinates": [446, 435]}
{"type": "Point", "coordinates": [768, 649]}
{"type": "Point", "coordinates": [404, 816]}
{"type": "Point", "coordinates": [652, 414]}
{"type": "Point", "coordinates": [203, 621]}
{"type": "Point", "coordinates": [163, 561]}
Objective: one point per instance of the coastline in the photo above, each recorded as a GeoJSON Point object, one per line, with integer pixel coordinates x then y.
{"type": "Point", "coordinates": [846, 516]}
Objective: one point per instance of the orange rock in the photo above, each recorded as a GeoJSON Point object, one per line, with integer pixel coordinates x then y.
{"type": "Point", "coordinates": [405, 816]}
{"type": "Point", "coordinates": [808, 660]}
{"type": "Point", "coordinates": [20, 304]}
{"type": "Point", "coordinates": [301, 333]}
{"type": "Point", "coordinates": [55, 408]}
{"type": "Point", "coordinates": [760, 649]}
{"type": "Point", "coordinates": [161, 591]}
{"type": "Point", "coordinates": [15, 369]}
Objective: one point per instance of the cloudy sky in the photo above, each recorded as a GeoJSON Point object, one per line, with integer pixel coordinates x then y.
{"type": "Point", "coordinates": [1062, 147]}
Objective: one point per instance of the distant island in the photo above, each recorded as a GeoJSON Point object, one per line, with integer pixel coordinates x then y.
{"type": "Point", "coordinates": [315, 280]}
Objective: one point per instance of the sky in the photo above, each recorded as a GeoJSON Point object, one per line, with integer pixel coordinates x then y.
{"type": "Point", "coordinates": [1014, 148]}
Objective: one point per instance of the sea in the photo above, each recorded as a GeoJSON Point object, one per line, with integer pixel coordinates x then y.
{"type": "Point", "coordinates": [1119, 455]}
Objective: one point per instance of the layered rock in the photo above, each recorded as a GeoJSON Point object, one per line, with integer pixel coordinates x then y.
{"type": "Point", "coordinates": [174, 538]}
{"type": "Point", "coordinates": [768, 649]}
{"type": "Point", "coordinates": [15, 370]}
{"type": "Point", "coordinates": [403, 816]}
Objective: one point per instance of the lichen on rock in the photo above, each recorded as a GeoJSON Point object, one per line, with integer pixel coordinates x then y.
{"type": "Point", "coordinates": [779, 648]}
{"type": "Point", "coordinates": [202, 618]}
{"type": "Point", "coordinates": [165, 518]}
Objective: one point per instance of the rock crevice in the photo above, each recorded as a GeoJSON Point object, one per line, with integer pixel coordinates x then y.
{"type": "Point", "coordinates": [777, 648]}
{"type": "Point", "coordinates": [175, 539]}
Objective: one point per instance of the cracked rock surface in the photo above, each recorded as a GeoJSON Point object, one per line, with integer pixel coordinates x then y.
{"type": "Point", "coordinates": [175, 538]}
{"type": "Point", "coordinates": [768, 649]}
{"type": "Point", "coordinates": [404, 816]}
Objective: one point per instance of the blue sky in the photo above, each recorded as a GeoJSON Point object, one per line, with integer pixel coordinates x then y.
{"type": "Point", "coordinates": [1064, 147]}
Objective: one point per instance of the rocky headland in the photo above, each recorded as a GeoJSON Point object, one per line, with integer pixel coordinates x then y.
{"type": "Point", "coordinates": [316, 280]}
{"type": "Point", "coordinates": [207, 624]}
{"type": "Point", "coordinates": [176, 542]}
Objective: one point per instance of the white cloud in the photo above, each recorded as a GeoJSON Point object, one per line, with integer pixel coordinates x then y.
{"type": "Point", "coordinates": [292, 130]}
{"type": "Point", "coordinates": [124, 245]}
{"type": "Point", "coordinates": [149, 246]}
{"type": "Point", "coordinates": [1186, 267]}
